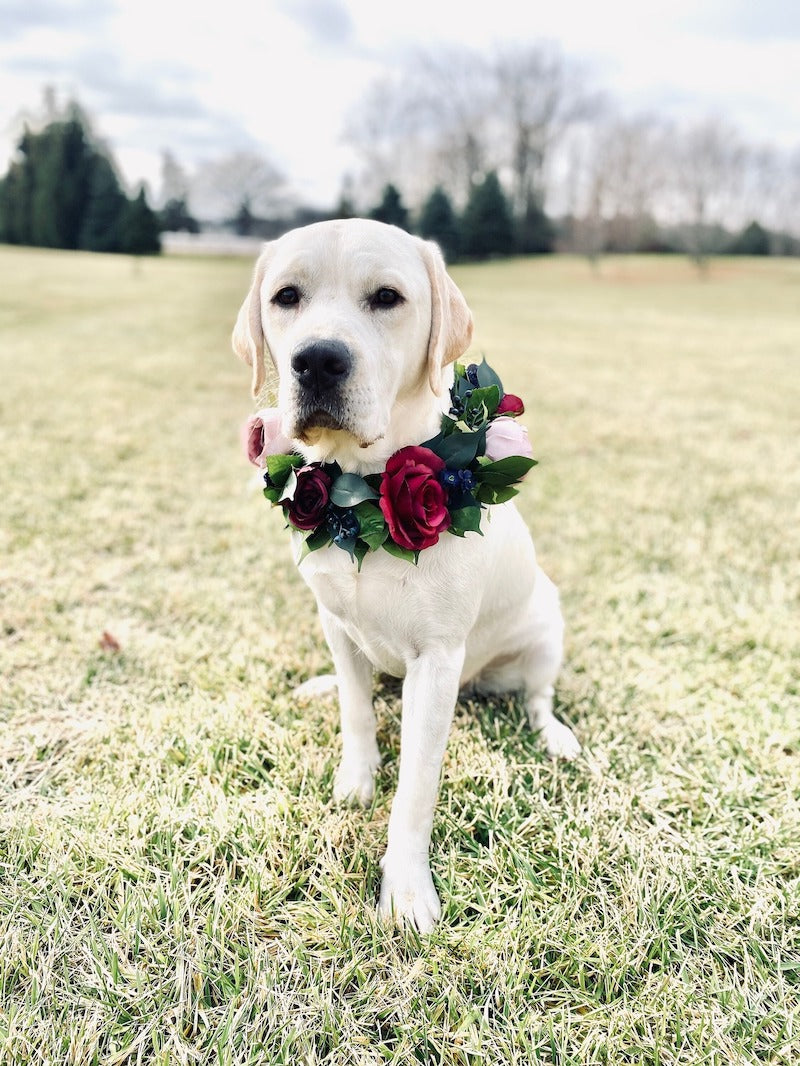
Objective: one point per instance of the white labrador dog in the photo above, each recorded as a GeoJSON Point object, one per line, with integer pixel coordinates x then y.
{"type": "Point", "coordinates": [362, 323]}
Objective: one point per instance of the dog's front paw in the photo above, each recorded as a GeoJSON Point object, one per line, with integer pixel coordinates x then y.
{"type": "Point", "coordinates": [408, 895]}
{"type": "Point", "coordinates": [560, 741]}
{"type": "Point", "coordinates": [355, 780]}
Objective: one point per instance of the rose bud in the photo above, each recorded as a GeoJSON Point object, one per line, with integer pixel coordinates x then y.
{"type": "Point", "coordinates": [511, 405]}
{"type": "Point", "coordinates": [262, 436]}
{"type": "Point", "coordinates": [505, 437]}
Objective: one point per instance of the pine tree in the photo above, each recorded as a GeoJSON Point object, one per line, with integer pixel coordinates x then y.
{"type": "Point", "coordinates": [438, 222]}
{"type": "Point", "coordinates": [487, 228]}
{"type": "Point", "coordinates": [140, 232]}
{"type": "Point", "coordinates": [101, 226]}
{"type": "Point", "coordinates": [391, 208]}
{"type": "Point", "coordinates": [535, 232]}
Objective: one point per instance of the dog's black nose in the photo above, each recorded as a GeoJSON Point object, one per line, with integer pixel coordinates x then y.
{"type": "Point", "coordinates": [322, 365]}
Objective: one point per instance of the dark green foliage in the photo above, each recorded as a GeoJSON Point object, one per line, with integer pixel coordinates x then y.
{"type": "Point", "coordinates": [62, 191]}
{"type": "Point", "coordinates": [753, 240]}
{"type": "Point", "coordinates": [140, 229]}
{"type": "Point", "coordinates": [487, 228]}
{"type": "Point", "coordinates": [391, 209]}
{"type": "Point", "coordinates": [244, 220]}
{"type": "Point", "coordinates": [101, 227]}
{"type": "Point", "coordinates": [174, 217]}
{"type": "Point", "coordinates": [438, 222]}
{"type": "Point", "coordinates": [535, 231]}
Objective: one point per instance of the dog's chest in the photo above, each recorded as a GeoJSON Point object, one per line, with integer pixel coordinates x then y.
{"type": "Point", "coordinates": [377, 607]}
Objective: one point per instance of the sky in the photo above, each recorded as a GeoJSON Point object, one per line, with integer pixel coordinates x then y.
{"type": "Point", "coordinates": [279, 77]}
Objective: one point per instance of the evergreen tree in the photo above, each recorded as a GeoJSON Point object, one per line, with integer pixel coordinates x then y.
{"type": "Point", "coordinates": [62, 191]}
{"type": "Point", "coordinates": [438, 222]}
{"type": "Point", "coordinates": [487, 228]}
{"type": "Point", "coordinates": [535, 232]}
{"type": "Point", "coordinates": [244, 219]}
{"type": "Point", "coordinates": [17, 193]}
{"type": "Point", "coordinates": [140, 232]}
{"type": "Point", "coordinates": [101, 226]}
{"type": "Point", "coordinates": [753, 240]}
{"type": "Point", "coordinates": [61, 159]}
{"type": "Point", "coordinates": [174, 217]}
{"type": "Point", "coordinates": [391, 208]}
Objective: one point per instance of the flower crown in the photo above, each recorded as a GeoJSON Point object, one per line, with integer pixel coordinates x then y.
{"type": "Point", "coordinates": [477, 458]}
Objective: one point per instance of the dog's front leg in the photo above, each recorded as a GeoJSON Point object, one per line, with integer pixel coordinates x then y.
{"type": "Point", "coordinates": [430, 691]}
{"type": "Point", "coordinates": [355, 777]}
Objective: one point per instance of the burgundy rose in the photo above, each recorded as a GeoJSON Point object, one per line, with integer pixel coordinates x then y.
{"type": "Point", "coordinates": [413, 501]}
{"type": "Point", "coordinates": [511, 405]}
{"type": "Point", "coordinates": [311, 495]}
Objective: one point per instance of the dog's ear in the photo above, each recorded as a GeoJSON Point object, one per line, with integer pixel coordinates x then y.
{"type": "Point", "coordinates": [248, 334]}
{"type": "Point", "coordinates": [451, 319]}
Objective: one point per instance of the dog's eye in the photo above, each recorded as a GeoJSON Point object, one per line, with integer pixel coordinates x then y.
{"type": "Point", "coordinates": [287, 297]}
{"type": "Point", "coordinates": [385, 297]}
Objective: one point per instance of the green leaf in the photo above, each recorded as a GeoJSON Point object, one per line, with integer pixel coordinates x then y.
{"type": "Point", "coordinates": [361, 549]}
{"type": "Point", "coordinates": [504, 471]}
{"type": "Point", "coordinates": [487, 376]}
{"type": "Point", "coordinates": [488, 397]}
{"type": "Point", "coordinates": [400, 553]}
{"type": "Point", "coordinates": [273, 495]}
{"type": "Point", "coordinates": [459, 449]}
{"type": "Point", "coordinates": [350, 489]}
{"type": "Point", "coordinates": [289, 488]}
{"type": "Point", "coordinates": [491, 494]}
{"type": "Point", "coordinates": [318, 538]}
{"type": "Point", "coordinates": [466, 520]}
{"type": "Point", "coordinates": [347, 544]}
{"type": "Point", "coordinates": [372, 525]}
{"type": "Point", "coordinates": [280, 466]}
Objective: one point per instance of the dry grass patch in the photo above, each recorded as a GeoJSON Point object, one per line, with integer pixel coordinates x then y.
{"type": "Point", "coordinates": [175, 884]}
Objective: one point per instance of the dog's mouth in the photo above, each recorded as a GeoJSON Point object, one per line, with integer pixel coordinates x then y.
{"type": "Point", "coordinates": [311, 419]}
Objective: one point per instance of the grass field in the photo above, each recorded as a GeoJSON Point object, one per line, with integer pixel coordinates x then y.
{"type": "Point", "coordinates": [175, 883]}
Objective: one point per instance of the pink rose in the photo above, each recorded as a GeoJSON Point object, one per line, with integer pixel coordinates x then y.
{"type": "Point", "coordinates": [262, 436]}
{"type": "Point", "coordinates": [413, 500]}
{"type": "Point", "coordinates": [511, 405]}
{"type": "Point", "coordinates": [506, 437]}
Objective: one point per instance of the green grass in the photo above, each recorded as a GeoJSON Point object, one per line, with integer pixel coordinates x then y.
{"type": "Point", "coordinates": [175, 883]}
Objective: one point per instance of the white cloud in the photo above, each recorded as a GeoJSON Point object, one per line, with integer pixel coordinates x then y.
{"type": "Point", "coordinates": [280, 76]}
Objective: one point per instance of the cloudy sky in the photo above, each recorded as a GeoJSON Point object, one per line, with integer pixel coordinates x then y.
{"type": "Point", "coordinates": [279, 76]}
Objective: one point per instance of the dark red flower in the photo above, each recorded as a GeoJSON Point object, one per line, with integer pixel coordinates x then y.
{"type": "Point", "coordinates": [413, 500]}
{"type": "Point", "coordinates": [511, 405]}
{"type": "Point", "coordinates": [307, 507]}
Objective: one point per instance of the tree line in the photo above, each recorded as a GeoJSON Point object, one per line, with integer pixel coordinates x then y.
{"type": "Point", "coordinates": [62, 190]}
{"type": "Point", "coordinates": [607, 181]}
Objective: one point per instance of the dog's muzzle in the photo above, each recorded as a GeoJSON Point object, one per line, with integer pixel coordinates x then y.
{"type": "Point", "coordinates": [321, 367]}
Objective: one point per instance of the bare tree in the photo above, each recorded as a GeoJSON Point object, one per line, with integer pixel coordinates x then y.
{"type": "Point", "coordinates": [240, 181]}
{"type": "Point", "coordinates": [174, 180]}
{"type": "Point", "coordinates": [427, 124]}
{"type": "Point", "coordinates": [539, 95]}
{"type": "Point", "coordinates": [708, 167]}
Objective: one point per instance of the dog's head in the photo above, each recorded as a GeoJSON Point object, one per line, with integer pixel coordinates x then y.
{"type": "Point", "coordinates": [360, 319]}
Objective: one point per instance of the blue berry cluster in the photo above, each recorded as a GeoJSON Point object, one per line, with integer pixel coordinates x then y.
{"type": "Point", "coordinates": [342, 524]}
{"type": "Point", "coordinates": [457, 480]}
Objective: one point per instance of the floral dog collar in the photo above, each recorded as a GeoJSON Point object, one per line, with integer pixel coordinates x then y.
{"type": "Point", "coordinates": [477, 459]}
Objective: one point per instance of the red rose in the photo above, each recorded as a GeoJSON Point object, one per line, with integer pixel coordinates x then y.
{"type": "Point", "coordinates": [413, 501]}
{"type": "Point", "coordinates": [511, 405]}
{"type": "Point", "coordinates": [311, 495]}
